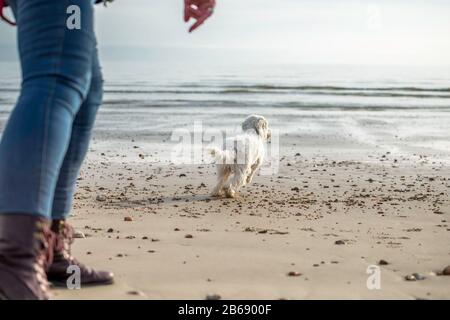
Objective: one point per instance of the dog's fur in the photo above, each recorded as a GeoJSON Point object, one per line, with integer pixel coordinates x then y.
{"type": "Point", "coordinates": [242, 156]}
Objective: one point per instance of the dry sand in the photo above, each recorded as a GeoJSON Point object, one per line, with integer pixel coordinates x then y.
{"type": "Point", "coordinates": [327, 215]}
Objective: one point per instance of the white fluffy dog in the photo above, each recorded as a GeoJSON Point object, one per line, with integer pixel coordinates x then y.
{"type": "Point", "coordinates": [242, 156]}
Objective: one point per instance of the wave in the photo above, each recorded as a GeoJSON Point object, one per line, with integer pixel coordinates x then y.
{"type": "Point", "coordinates": [338, 88]}
{"type": "Point", "coordinates": [193, 89]}
{"type": "Point", "coordinates": [227, 104]}
{"type": "Point", "coordinates": [350, 91]}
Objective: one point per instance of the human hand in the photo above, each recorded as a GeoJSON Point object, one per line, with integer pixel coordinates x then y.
{"type": "Point", "coordinates": [200, 10]}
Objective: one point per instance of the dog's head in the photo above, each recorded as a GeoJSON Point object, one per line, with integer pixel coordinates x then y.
{"type": "Point", "coordinates": [259, 124]}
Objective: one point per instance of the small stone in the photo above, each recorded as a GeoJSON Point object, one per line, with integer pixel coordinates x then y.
{"type": "Point", "coordinates": [182, 175]}
{"type": "Point", "coordinates": [339, 242]}
{"type": "Point", "coordinates": [101, 198]}
{"type": "Point", "coordinates": [383, 262]}
{"type": "Point", "coordinates": [415, 277]}
{"type": "Point", "coordinates": [410, 277]}
{"type": "Point", "coordinates": [189, 236]}
{"type": "Point", "coordinates": [79, 235]}
{"type": "Point", "coordinates": [446, 271]}
{"type": "Point", "coordinates": [110, 230]}
{"type": "Point", "coordinates": [128, 219]}
{"type": "Point", "coordinates": [213, 297]}
{"type": "Point", "coordinates": [135, 293]}
{"type": "Point", "coordinates": [294, 274]}
{"type": "Point", "coordinates": [419, 276]}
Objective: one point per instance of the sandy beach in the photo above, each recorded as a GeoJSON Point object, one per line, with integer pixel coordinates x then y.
{"type": "Point", "coordinates": [352, 202]}
{"type": "Point", "coordinates": [308, 232]}
{"type": "Point", "coordinates": [363, 183]}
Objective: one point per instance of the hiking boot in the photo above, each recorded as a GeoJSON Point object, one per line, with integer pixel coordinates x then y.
{"type": "Point", "coordinates": [25, 242]}
{"type": "Point", "coordinates": [63, 259]}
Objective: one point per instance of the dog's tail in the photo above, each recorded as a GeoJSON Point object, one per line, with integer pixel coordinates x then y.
{"type": "Point", "coordinates": [222, 156]}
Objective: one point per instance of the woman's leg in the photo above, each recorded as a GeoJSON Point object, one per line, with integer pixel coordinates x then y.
{"type": "Point", "coordinates": [57, 69]}
{"type": "Point", "coordinates": [79, 144]}
{"type": "Point", "coordinates": [62, 203]}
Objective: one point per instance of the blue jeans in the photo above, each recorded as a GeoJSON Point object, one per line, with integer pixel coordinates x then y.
{"type": "Point", "coordinates": [47, 135]}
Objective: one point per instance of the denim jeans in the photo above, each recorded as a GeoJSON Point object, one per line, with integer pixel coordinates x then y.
{"type": "Point", "coordinates": [47, 135]}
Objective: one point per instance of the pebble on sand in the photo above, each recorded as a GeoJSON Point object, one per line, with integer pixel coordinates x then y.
{"type": "Point", "coordinates": [414, 277]}
{"type": "Point", "coordinates": [383, 262]}
{"type": "Point", "coordinates": [101, 198]}
{"type": "Point", "coordinates": [189, 236]}
{"type": "Point", "coordinates": [419, 276]}
{"type": "Point", "coordinates": [294, 274]}
{"type": "Point", "coordinates": [339, 242]}
{"type": "Point", "coordinates": [79, 235]}
{"type": "Point", "coordinates": [410, 277]}
{"type": "Point", "coordinates": [135, 293]}
{"type": "Point", "coordinates": [213, 297]}
{"type": "Point", "coordinates": [446, 271]}
{"type": "Point", "coordinates": [128, 219]}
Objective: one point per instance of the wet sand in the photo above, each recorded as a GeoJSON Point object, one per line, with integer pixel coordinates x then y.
{"type": "Point", "coordinates": [308, 232]}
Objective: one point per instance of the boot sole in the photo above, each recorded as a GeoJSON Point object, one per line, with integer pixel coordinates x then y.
{"type": "Point", "coordinates": [63, 284]}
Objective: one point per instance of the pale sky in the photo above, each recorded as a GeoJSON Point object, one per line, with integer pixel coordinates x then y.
{"type": "Point", "coordinates": [411, 32]}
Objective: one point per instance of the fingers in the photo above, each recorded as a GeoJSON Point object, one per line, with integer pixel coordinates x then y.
{"type": "Point", "coordinates": [200, 10]}
{"type": "Point", "coordinates": [196, 8]}
{"type": "Point", "coordinates": [200, 20]}
{"type": "Point", "coordinates": [187, 6]}
{"type": "Point", "coordinates": [193, 13]}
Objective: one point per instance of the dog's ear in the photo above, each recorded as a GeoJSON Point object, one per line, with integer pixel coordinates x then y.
{"type": "Point", "coordinates": [250, 123]}
{"type": "Point", "coordinates": [261, 127]}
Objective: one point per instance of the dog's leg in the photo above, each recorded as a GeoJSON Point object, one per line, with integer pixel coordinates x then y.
{"type": "Point", "coordinates": [254, 168]}
{"type": "Point", "coordinates": [223, 173]}
{"type": "Point", "coordinates": [235, 184]}
{"type": "Point", "coordinates": [217, 191]}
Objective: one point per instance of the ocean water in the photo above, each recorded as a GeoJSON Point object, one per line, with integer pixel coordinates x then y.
{"type": "Point", "coordinates": [396, 108]}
